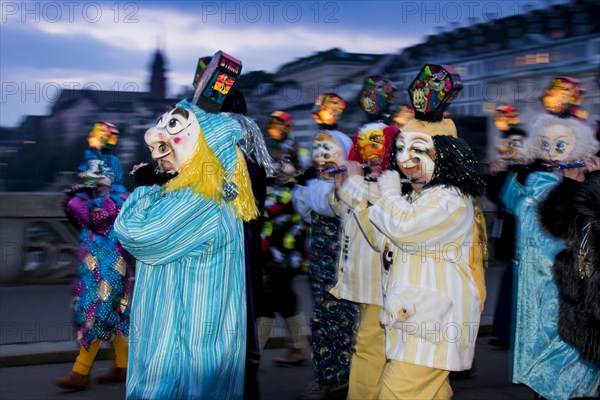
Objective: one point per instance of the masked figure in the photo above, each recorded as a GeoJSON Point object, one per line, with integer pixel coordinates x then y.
{"type": "Point", "coordinates": [188, 239]}
{"type": "Point", "coordinates": [548, 365]}
{"type": "Point", "coordinates": [104, 281]}
{"type": "Point", "coordinates": [333, 320]}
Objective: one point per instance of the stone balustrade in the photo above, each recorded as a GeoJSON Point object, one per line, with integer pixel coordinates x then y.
{"type": "Point", "coordinates": [37, 242]}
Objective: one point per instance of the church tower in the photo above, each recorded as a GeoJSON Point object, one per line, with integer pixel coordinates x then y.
{"type": "Point", "coordinates": [158, 80]}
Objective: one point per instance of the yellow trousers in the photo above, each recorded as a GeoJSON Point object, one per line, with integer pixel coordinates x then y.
{"type": "Point", "coordinates": [85, 359]}
{"type": "Point", "coordinates": [368, 360]}
{"type": "Point", "coordinates": [414, 382]}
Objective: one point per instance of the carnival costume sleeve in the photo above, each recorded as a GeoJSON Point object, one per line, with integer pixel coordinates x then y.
{"type": "Point", "coordinates": [418, 224]}
{"type": "Point", "coordinates": [158, 227]}
{"type": "Point", "coordinates": [313, 197]}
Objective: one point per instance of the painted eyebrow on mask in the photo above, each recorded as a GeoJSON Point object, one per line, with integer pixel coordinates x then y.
{"type": "Point", "coordinates": [181, 111]}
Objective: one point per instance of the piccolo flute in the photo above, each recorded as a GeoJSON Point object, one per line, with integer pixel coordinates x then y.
{"type": "Point", "coordinates": [576, 164]}
{"type": "Point", "coordinates": [339, 170]}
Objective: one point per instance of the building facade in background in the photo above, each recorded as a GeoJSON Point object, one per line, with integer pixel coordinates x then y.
{"type": "Point", "coordinates": [504, 61]}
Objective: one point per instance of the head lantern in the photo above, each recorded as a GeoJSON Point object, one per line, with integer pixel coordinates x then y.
{"type": "Point", "coordinates": [431, 93]}
{"type": "Point", "coordinates": [563, 97]}
{"type": "Point", "coordinates": [104, 135]}
{"type": "Point", "coordinates": [213, 81]}
{"type": "Point", "coordinates": [280, 125]}
{"type": "Point", "coordinates": [433, 90]}
{"type": "Point", "coordinates": [328, 109]}
{"type": "Point", "coordinates": [200, 68]}
{"type": "Point", "coordinates": [376, 96]}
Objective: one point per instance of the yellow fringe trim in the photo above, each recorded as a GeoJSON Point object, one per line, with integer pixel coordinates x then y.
{"type": "Point", "coordinates": [244, 203]}
{"type": "Point", "coordinates": [203, 173]}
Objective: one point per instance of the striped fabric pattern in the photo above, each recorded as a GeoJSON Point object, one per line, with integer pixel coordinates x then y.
{"type": "Point", "coordinates": [188, 321]}
{"type": "Point", "coordinates": [430, 238]}
{"type": "Point", "coordinates": [359, 265]}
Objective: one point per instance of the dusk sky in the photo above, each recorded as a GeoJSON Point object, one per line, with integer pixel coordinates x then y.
{"type": "Point", "coordinates": [46, 46]}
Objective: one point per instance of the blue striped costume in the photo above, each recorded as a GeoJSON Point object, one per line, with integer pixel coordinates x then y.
{"type": "Point", "coordinates": [188, 317]}
{"type": "Point", "coordinates": [187, 333]}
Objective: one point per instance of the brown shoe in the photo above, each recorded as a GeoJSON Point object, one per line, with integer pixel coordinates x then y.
{"type": "Point", "coordinates": [115, 375]}
{"type": "Point", "coordinates": [73, 381]}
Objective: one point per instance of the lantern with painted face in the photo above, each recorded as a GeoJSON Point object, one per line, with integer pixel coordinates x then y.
{"type": "Point", "coordinates": [376, 96]}
{"type": "Point", "coordinates": [173, 139]}
{"type": "Point", "coordinates": [328, 109]}
{"type": "Point", "coordinates": [433, 90]}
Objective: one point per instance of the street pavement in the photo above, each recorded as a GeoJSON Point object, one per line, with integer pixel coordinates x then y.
{"type": "Point", "coordinates": [37, 346]}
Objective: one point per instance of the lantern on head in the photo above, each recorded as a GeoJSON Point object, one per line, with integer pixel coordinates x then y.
{"type": "Point", "coordinates": [433, 90]}
{"type": "Point", "coordinates": [280, 125]}
{"type": "Point", "coordinates": [563, 97]}
{"type": "Point", "coordinates": [507, 118]}
{"type": "Point", "coordinates": [104, 135]}
{"type": "Point", "coordinates": [215, 81]}
{"type": "Point", "coordinates": [403, 114]}
{"type": "Point", "coordinates": [376, 96]}
{"type": "Point", "coordinates": [328, 109]}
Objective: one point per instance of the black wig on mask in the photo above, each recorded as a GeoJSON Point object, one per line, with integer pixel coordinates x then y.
{"type": "Point", "coordinates": [456, 166]}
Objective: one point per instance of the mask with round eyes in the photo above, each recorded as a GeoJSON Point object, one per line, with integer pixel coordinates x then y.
{"type": "Point", "coordinates": [415, 155]}
{"type": "Point", "coordinates": [98, 172]}
{"type": "Point", "coordinates": [173, 140]}
{"type": "Point", "coordinates": [511, 147]}
{"type": "Point", "coordinates": [558, 142]}
{"type": "Point", "coordinates": [327, 153]}
{"type": "Point", "coordinates": [371, 146]}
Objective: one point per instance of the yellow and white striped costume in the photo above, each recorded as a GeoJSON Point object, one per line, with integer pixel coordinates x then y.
{"type": "Point", "coordinates": [359, 265]}
{"type": "Point", "coordinates": [427, 239]}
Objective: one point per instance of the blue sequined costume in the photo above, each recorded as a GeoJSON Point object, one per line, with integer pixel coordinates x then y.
{"type": "Point", "coordinates": [104, 280]}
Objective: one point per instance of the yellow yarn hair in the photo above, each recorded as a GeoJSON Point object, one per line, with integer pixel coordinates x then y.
{"type": "Point", "coordinates": [203, 173]}
{"type": "Point", "coordinates": [244, 203]}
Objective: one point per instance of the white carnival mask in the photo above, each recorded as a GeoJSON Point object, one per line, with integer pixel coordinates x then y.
{"type": "Point", "coordinates": [173, 140]}
{"type": "Point", "coordinates": [558, 142]}
{"type": "Point", "coordinates": [415, 155]}
{"type": "Point", "coordinates": [327, 153]}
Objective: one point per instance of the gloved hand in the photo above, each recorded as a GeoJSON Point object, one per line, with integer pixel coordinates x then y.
{"type": "Point", "coordinates": [148, 175]}
{"type": "Point", "coordinates": [310, 173]}
{"type": "Point", "coordinates": [389, 182]}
